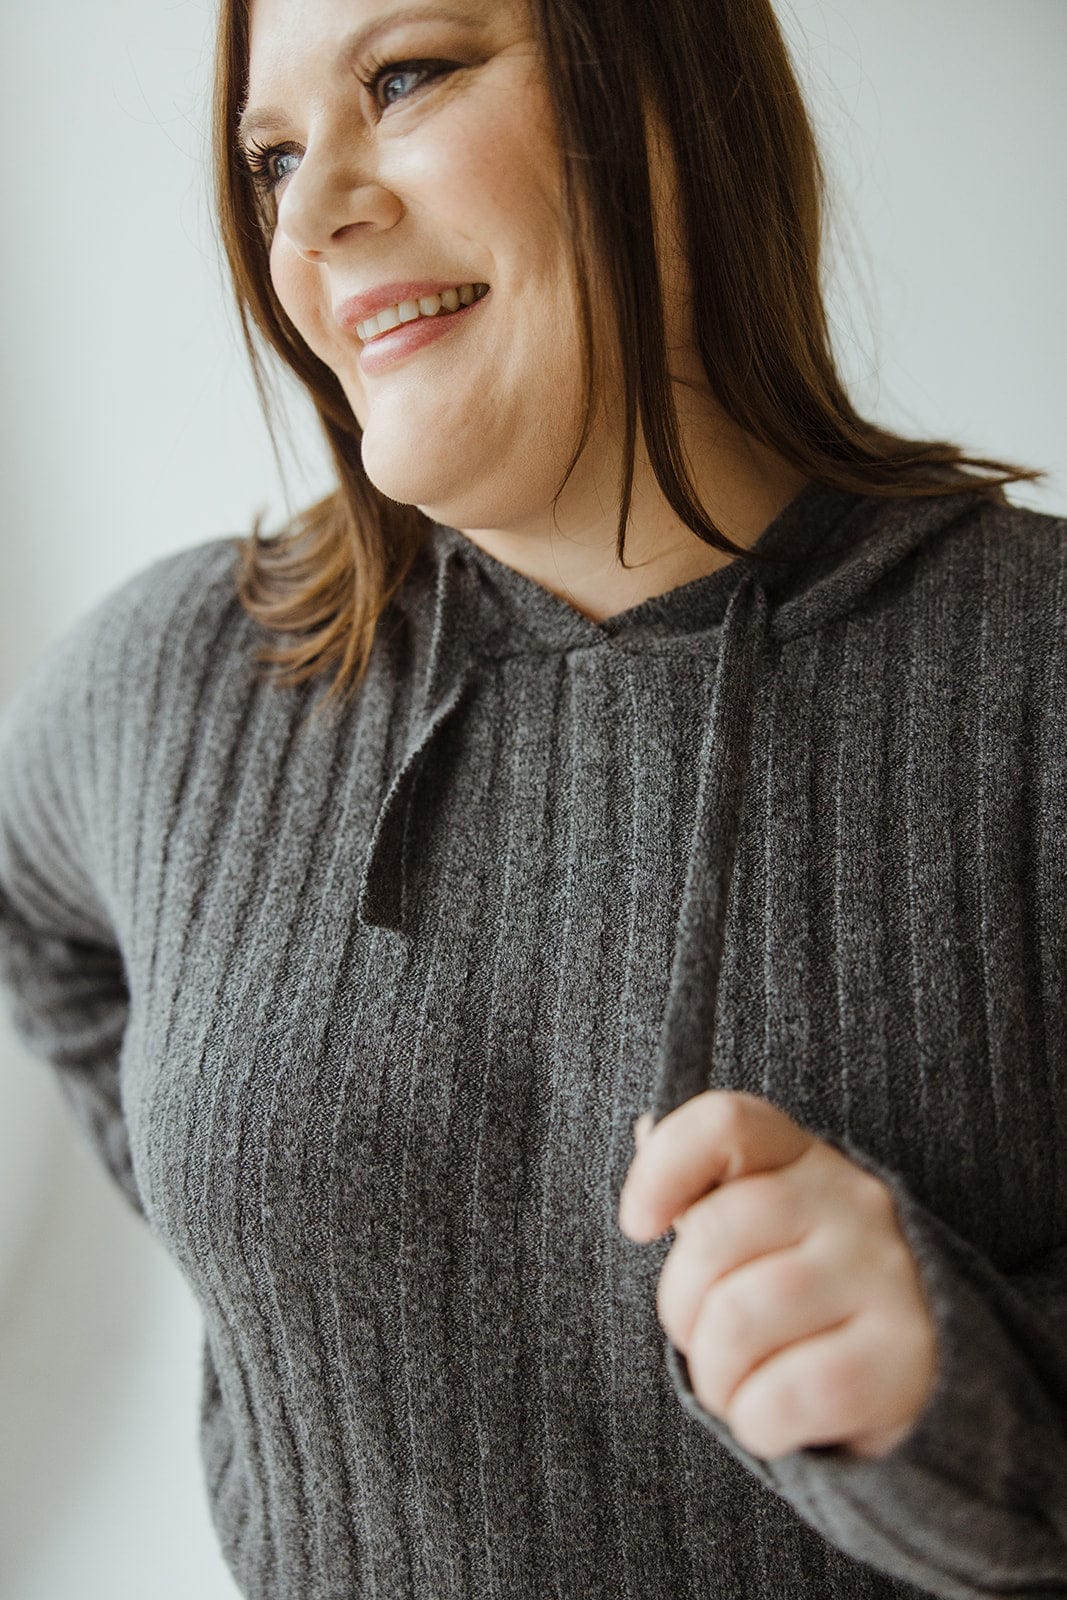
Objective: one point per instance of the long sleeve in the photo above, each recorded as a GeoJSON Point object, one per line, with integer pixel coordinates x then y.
{"type": "Point", "coordinates": [60, 961]}
{"type": "Point", "coordinates": [80, 741]}
{"type": "Point", "coordinates": [398, 979]}
{"type": "Point", "coordinates": [972, 1504]}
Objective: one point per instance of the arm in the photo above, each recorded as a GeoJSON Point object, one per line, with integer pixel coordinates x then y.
{"type": "Point", "coordinates": [972, 1503]}
{"type": "Point", "coordinates": [60, 964]}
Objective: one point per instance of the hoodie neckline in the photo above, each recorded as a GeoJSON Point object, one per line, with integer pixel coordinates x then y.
{"type": "Point", "coordinates": [827, 549]}
{"type": "Point", "coordinates": [518, 615]}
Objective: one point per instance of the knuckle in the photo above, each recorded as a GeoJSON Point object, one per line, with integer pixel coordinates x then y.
{"type": "Point", "coordinates": [665, 1302]}
{"type": "Point", "coordinates": [723, 1215]}
{"type": "Point", "coordinates": [738, 1210]}
{"type": "Point", "coordinates": [705, 1392]}
{"type": "Point", "coordinates": [725, 1115]}
{"type": "Point", "coordinates": [758, 1426]}
{"type": "Point", "coordinates": [731, 1312]}
{"type": "Point", "coordinates": [789, 1277]}
{"type": "Point", "coordinates": [838, 1385]}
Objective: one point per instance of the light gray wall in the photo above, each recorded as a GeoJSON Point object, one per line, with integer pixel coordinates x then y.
{"type": "Point", "coordinates": [130, 429]}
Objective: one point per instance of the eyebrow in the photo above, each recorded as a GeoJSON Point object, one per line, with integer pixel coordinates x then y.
{"type": "Point", "coordinates": [268, 119]}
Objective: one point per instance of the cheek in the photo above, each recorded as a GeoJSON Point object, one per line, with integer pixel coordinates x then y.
{"type": "Point", "coordinates": [299, 288]}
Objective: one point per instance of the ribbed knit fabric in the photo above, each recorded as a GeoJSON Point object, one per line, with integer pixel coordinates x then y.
{"type": "Point", "coordinates": [359, 1011]}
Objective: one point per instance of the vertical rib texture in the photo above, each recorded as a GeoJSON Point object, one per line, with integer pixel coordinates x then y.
{"type": "Point", "coordinates": [358, 1011]}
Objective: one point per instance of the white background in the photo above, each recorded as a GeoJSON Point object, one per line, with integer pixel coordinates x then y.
{"type": "Point", "coordinates": [130, 429]}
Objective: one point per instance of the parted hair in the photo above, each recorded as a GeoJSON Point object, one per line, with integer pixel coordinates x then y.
{"type": "Point", "coordinates": [752, 204]}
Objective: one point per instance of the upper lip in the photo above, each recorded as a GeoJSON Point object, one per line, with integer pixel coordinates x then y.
{"type": "Point", "coordinates": [362, 306]}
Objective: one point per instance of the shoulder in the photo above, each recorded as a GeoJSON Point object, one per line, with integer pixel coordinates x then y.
{"type": "Point", "coordinates": [1016, 541]}
{"type": "Point", "coordinates": [998, 592]}
{"type": "Point", "coordinates": [1000, 570]}
{"type": "Point", "coordinates": [1010, 562]}
{"type": "Point", "coordinates": [186, 594]}
{"type": "Point", "coordinates": [154, 625]}
{"type": "Point", "coordinates": [193, 589]}
{"type": "Point", "coordinates": [74, 732]}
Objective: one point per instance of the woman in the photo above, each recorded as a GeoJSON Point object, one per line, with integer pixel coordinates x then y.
{"type": "Point", "coordinates": [646, 732]}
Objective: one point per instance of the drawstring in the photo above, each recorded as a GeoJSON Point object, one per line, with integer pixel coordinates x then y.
{"type": "Point", "coordinates": [687, 1033]}
{"type": "Point", "coordinates": [684, 1053]}
{"type": "Point", "coordinates": [387, 874]}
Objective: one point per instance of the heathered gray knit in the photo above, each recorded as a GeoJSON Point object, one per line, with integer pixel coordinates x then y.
{"type": "Point", "coordinates": [360, 1012]}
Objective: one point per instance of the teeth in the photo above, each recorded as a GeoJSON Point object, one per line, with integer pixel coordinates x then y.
{"type": "Point", "coordinates": [412, 310]}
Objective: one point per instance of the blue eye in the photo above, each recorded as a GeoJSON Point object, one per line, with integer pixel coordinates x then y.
{"type": "Point", "coordinates": [259, 159]}
{"type": "Point", "coordinates": [393, 69]}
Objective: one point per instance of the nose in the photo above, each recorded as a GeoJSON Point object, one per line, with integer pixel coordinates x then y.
{"type": "Point", "coordinates": [324, 200]}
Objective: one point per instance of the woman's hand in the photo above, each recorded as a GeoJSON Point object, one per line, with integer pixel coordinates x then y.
{"type": "Point", "coordinates": [789, 1288]}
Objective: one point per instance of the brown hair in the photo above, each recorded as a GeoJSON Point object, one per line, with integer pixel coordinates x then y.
{"type": "Point", "coordinates": [752, 196]}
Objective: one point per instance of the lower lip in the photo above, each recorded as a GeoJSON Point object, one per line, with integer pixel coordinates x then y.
{"type": "Point", "coordinates": [411, 336]}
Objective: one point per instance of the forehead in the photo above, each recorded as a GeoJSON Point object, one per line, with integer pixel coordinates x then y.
{"type": "Point", "coordinates": [277, 26]}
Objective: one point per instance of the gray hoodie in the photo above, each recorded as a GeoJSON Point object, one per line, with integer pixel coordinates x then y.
{"type": "Point", "coordinates": [359, 1009]}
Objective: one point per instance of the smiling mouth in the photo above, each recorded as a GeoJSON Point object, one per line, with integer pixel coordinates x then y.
{"type": "Point", "coordinates": [425, 310]}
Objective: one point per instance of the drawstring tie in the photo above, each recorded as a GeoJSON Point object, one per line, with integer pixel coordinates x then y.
{"type": "Point", "coordinates": [386, 890]}
{"type": "Point", "coordinates": [386, 897]}
{"type": "Point", "coordinates": [687, 1032]}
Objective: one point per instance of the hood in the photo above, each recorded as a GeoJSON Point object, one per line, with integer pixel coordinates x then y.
{"type": "Point", "coordinates": [827, 549]}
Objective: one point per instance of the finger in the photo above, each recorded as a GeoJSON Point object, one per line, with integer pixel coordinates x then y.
{"type": "Point", "coordinates": [742, 1221]}
{"type": "Point", "coordinates": [752, 1314]}
{"type": "Point", "coordinates": [820, 1391]}
{"type": "Point", "coordinates": [714, 1137]}
{"type": "Point", "coordinates": [642, 1128]}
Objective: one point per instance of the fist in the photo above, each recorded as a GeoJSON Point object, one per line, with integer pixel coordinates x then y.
{"type": "Point", "coordinates": [789, 1288]}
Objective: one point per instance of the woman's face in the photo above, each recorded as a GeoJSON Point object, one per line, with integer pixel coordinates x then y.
{"type": "Point", "coordinates": [451, 173]}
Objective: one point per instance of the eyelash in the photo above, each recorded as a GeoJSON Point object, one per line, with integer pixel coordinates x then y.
{"type": "Point", "coordinates": [258, 157]}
